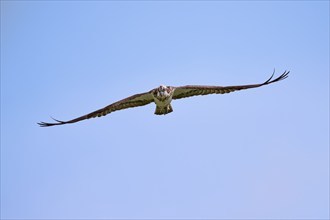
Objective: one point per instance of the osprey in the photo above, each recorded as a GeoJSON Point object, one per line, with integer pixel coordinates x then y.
{"type": "Point", "coordinates": [162, 97]}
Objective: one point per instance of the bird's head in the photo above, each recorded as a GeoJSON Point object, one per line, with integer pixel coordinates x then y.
{"type": "Point", "coordinates": [162, 88]}
{"type": "Point", "coordinates": [162, 92]}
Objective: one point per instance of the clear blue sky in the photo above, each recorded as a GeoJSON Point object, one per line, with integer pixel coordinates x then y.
{"type": "Point", "coordinates": [260, 153]}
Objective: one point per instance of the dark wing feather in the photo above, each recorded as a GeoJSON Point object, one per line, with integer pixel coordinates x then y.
{"type": "Point", "coordinates": [188, 91]}
{"type": "Point", "coordinates": [130, 102]}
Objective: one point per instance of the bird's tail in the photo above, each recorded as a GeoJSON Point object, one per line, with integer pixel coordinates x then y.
{"type": "Point", "coordinates": [163, 110]}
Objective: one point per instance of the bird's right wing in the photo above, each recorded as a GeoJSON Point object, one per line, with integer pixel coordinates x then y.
{"type": "Point", "coordinates": [130, 102]}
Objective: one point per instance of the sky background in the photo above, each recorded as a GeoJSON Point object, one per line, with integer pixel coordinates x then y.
{"type": "Point", "coordinates": [260, 153]}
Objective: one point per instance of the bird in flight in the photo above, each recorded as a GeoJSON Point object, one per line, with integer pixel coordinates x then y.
{"type": "Point", "coordinates": [162, 97]}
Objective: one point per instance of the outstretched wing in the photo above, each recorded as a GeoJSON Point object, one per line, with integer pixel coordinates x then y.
{"type": "Point", "coordinates": [130, 102]}
{"type": "Point", "coordinates": [188, 91]}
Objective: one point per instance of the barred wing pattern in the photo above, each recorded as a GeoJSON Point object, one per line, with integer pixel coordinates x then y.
{"type": "Point", "coordinates": [130, 102]}
{"type": "Point", "coordinates": [189, 91]}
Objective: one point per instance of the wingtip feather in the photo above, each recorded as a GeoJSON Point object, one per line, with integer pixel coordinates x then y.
{"type": "Point", "coordinates": [284, 75]}
{"type": "Point", "coordinates": [47, 124]}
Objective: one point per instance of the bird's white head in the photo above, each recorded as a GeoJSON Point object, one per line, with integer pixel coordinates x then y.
{"type": "Point", "coordinates": [163, 92]}
{"type": "Point", "coordinates": [162, 88]}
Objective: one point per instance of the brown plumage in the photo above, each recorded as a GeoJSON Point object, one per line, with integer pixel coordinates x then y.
{"type": "Point", "coordinates": [162, 97]}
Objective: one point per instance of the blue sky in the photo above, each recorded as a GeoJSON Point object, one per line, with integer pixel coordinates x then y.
{"type": "Point", "coordinates": [260, 153]}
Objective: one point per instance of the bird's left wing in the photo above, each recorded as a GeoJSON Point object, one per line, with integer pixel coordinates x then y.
{"type": "Point", "coordinates": [188, 91]}
{"type": "Point", "coordinates": [130, 102]}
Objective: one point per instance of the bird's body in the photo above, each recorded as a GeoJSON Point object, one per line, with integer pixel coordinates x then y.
{"type": "Point", "coordinates": [162, 96]}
